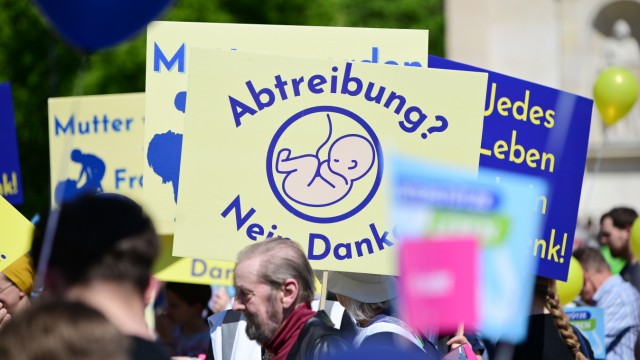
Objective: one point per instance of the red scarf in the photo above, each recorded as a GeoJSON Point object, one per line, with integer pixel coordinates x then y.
{"type": "Point", "coordinates": [282, 342]}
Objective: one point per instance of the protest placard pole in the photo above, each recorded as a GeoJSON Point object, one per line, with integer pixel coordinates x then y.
{"type": "Point", "coordinates": [323, 293]}
{"type": "Point", "coordinates": [595, 170]}
{"type": "Point", "coordinates": [52, 221]}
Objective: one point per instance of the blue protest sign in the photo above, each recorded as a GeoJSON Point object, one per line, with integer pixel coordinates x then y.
{"type": "Point", "coordinates": [433, 201]}
{"type": "Point", "coordinates": [537, 130]}
{"type": "Point", "coordinates": [590, 321]}
{"type": "Point", "coordinates": [10, 176]}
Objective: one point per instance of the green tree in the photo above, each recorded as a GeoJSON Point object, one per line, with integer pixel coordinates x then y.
{"type": "Point", "coordinates": [38, 66]}
{"type": "Point", "coordinates": [403, 14]}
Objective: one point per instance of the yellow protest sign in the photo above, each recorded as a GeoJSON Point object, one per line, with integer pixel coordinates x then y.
{"type": "Point", "coordinates": [169, 50]}
{"type": "Point", "coordinates": [96, 145]}
{"type": "Point", "coordinates": [188, 270]}
{"type": "Point", "coordinates": [15, 234]}
{"type": "Point", "coordinates": [296, 147]}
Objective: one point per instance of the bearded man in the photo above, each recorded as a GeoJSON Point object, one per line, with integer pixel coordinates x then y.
{"type": "Point", "coordinates": [615, 231]}
{"type": "Point", "coordinates": [275, 286]}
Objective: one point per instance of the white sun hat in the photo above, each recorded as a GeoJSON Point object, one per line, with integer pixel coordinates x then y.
{"type": "Point", "coordinates": [367, 288]}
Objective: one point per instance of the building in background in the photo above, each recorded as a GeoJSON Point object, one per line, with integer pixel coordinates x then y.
{"type": "Point", "coordinates": [563, 44]}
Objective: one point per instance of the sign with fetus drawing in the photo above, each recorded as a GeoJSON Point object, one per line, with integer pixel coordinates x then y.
{"type": "Point", "coordinates": [169, 47]}
{"type": "Point", "coordinates": [296, 147]}
{"type": "Point", "coordinates": [311, 184]}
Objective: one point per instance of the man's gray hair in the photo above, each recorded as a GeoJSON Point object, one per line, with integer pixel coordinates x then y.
{"type": "Point", "coordinates": [282, 259]}
{"type": "Point", "coordinates": [364, 311]}
{"type": "Point", "coordinates": [591, 260]}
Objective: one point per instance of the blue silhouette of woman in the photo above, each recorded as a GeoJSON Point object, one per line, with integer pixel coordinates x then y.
{"type": "Point", "coordinates": [93, 169]}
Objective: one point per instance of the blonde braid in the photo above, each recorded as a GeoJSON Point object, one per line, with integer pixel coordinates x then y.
{"type": "Point", "coordinates": [562, 322]}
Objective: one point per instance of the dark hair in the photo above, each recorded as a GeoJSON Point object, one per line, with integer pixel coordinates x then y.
{"type": "Point", "coordinates": [281, 259]}
{"type": "Point", "coordinates": [622, 217]}
{"type": "Point", "coordinates": [192, 294]}
{"type": "Point", "coordinates": [100, 237]}
{"type": "Point", "coordinates": [591, 259]}
{"type": "Point", "coordinates": [60, 330]}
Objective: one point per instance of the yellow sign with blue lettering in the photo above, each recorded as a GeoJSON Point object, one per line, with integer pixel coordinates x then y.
{"type": "Point", "coordinates": [296, 147]}
{"type": "Point", "coordinates": [96, 145]}
{"type": "Point", "coordinates": [15, 234]}
{"type": "Point", "coordinates": [169, 47]}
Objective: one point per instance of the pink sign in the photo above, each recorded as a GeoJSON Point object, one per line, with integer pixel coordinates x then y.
{"type": "Point", "coordinates": [439, 283]}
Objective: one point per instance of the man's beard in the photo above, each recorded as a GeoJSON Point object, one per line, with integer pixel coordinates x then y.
{"type": "Point", "coordinates": [616, 252]}
{"type": "Point", "coordinates": [262, 333]}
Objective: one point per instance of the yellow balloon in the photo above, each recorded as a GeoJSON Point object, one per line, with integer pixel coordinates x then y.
{"type": "Point", "coordinates": [569, 290]}
{"type": "Point", "coordinates": [615, 92]}
{"type": "Point", "coordinates": [635, 237]}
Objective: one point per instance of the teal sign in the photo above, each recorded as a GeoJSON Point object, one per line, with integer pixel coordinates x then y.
{"type": "Point", "coordinates": [590, 321]}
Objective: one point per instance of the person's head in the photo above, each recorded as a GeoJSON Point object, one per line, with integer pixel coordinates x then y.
{"type": "Point", "coordinates": [596, 271]}
{"type": "Point", "coordinates": [363, 295]}
{"type": "Point", "coordinates": [102, 238]}
{"type": "Point", "coordinates": [61, 330]}
{"type": "Point", "coordinates": [615, 228]}
{"type": "Point", "coordinates": [187, 302]}
{"type": "Point", "coordinates": [545, 289]}
{"type": "Point", "coordinates": [222, 298]}
{"type": "Point", "coordinates": [272, 278]}
{"type": "Point", "coordinates": [76, 154]}
{"type": "Point", "coordinates": [16, 284]}
{"type": "Point", "coordinates": [351, 156]}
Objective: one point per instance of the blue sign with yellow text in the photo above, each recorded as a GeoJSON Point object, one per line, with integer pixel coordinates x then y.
{"type": "Point", "coordinates": [537, 130]}
{"type": "Point", "coordinates": [10, 177]}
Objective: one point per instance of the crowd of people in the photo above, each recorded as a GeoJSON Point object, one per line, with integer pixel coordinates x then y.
{"type": "Point", "coordinates": [617, 294]}
{"type": "Point", "coordinates": [99, 282]}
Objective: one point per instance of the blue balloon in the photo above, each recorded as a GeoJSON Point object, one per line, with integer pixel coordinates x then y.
{"type": "Point", "coordinates": [91, 25]}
